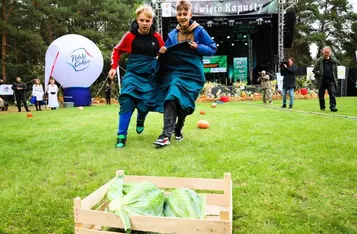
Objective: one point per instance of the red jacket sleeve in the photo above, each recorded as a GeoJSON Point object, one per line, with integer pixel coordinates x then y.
{"type": "Point", "coordinates": [159, 39]}
{"type": "Point", "coordinates": [124, 46]}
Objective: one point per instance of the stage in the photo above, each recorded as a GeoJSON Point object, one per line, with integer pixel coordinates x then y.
{"type": "Point", "coordinates": [246, 33]}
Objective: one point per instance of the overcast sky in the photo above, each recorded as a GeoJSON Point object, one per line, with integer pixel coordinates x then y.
{"type": "Point", "coordinates": [354, 3]}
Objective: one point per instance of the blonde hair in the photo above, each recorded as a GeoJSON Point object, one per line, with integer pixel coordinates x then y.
{"type": "Point", "coordinates": [183, 5]}
{"type": "Point", "coordinates": [146, 9]}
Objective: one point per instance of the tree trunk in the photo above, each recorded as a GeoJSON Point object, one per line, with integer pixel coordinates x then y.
{"type": "Point", "coordinates": [3, 43]}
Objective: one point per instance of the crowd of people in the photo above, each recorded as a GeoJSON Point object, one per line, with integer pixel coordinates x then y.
{"type": "Point", "coordinates": [325, 70]}
{"type": "Point", "coordinates": [167, 77]}
{"type": "Point", "coordinates": [38, 95]}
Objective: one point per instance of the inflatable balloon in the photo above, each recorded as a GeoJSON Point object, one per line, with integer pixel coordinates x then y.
{"type": "Point", "coordinates": [75, 62]}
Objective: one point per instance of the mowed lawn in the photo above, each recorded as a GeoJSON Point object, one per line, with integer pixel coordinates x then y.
{"type": "Point", "coordinates": [292, 171]}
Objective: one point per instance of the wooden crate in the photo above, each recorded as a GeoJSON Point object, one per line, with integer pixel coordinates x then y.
{"type": "Point", "coordinates": [218, 210]}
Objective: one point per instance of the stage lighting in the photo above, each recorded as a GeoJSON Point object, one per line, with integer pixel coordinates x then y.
{"type": "Point", "coordinates": [259, 21]}
{"type": "Point", "coordinates": [209, 23]}
{"type": "Point", "coordinates": [217, 45]}
{"type": "Point", "coordinates": [231, 22]}
{"type": "Point", "coordinates": [246, 43]}
{"type": "Point", "coordinates": [228, 37]}
{"type": "Point", "coordinates": [212, 38]}
{"type": "Point", "coordinates": [232, 44]}
{"type": "Point", "coordinates": [244, 36]}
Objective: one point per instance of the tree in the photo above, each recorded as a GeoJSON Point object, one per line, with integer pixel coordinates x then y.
{"type": "Point", "coordinates": [324, 22]}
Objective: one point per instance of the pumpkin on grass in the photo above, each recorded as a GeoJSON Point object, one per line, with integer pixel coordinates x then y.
{"type": "Point", "coordinates": [203, 124]}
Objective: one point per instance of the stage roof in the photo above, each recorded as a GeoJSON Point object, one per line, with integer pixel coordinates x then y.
{"type": "Point", "coordinates": [223, 8]}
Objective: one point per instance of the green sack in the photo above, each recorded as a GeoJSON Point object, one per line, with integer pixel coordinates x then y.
{"type": "Point", "coordinates": [185, 203]}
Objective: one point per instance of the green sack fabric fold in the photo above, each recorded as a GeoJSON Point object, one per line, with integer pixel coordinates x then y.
{"type": "Point", "coordinates": [185, 203]}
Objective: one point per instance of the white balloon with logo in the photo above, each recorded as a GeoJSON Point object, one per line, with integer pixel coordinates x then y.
{"type": "Point", "coordinates": [75, 62]}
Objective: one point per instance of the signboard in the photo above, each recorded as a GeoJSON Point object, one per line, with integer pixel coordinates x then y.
{"type": "Point", "coordinates": [280, 80]}
{"type": "Point", "coordinates": [310, 75]}
{"type": "Point", "coordinates": [341, 72]}
{"type": "Point", "coordinates": [215, 64]}
{"type": "Point", "coordinates": [240, 69]}
{"type": "Point", "coordinates": [223, 8]}
{"type": "Point", "coordinates": [6, 90]}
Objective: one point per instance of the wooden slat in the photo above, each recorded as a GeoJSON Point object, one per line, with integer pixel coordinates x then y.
{"type": "Point", "coordinates": [157, 224]}
{"type": "Point", "coordinates": [227, 188]}
{"type": "Point", "coordinates": [90, 231]}
{"type": "Point", "coordinates": [179, 182]}
{"type": "Point", "coordinates": [215, 199]}
{"type": "Point", "coordinates": [215, 210]}
{"type": "Point", "coordinates": [95, 197]}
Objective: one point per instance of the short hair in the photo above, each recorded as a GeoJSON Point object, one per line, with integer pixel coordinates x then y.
{"type": "Point", "coordinates": [327, 47]}
{"type": "Point", "coordinates": [291, 58]}
{"type": "Point", "coordinates": [146, 9]}
{"type": "Point", "coordinates": [183, 5]}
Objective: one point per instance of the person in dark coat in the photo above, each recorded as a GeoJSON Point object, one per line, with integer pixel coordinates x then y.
{"type": "Point", "coordinates": [325, 71]}
{"type": "Point", "coordinates": [107, 94]}
{"type": "Point", "coordinates": [20, 88]}
{"type": "Point", "coordinates": [288, 70]}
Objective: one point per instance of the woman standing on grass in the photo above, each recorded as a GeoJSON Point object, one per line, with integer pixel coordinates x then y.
{"type": "Point", "coordinates": [184, 77]}
{"type": "Point", "coordinates": [37, 92]}
{"type": "Point", "coordinates": [52, 91]}
{"type": "Point", "coordinates": [143, 44]}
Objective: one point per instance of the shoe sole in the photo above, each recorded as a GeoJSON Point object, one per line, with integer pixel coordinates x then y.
{"type": "Point", "coordinates": [161, 144]}
{"type": "Point", "coordinates": [179, 139]}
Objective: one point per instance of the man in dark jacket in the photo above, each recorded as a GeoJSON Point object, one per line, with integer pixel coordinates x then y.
{"type": "Point", "coordinates": [325, 71]}
{"type": "Point", "coordinates": [288, 70]}
{"type": "Point", "coordinates": [19, 89]}
{"type": "Point", "coordinates": [107, 93]}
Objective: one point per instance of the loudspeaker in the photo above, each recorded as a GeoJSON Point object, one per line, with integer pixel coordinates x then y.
{"type": "Point", "coordinates": [289, 28]}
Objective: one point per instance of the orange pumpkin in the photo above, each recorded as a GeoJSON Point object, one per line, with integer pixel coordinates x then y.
{"type": "Point", "coordinates": [202, 112]}
{"type": "Point", "coordinates": [29, 115]}
{"type": "Point", "coordinates": [203, 124]}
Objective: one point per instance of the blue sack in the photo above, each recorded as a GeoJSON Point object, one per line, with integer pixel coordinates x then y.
{"type": "Point", "coordinates": [33, 100]}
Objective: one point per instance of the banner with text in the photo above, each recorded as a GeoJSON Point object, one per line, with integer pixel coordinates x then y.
{"type": "Point", "coordinates": [240, 69]}
{"type": "Point", "coordinates": [224, 8]}
{"type": "Point", "coordinates": [215, 64]}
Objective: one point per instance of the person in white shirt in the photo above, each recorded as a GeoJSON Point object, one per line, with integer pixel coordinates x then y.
{"type": "Point", "coordinates": [37, 91]}
{"type": "Point", "coordinates": [52, 91]}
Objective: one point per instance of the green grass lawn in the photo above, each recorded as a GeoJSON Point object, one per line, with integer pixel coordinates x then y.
{"type": "Point", "coordinates": [293, 172]}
